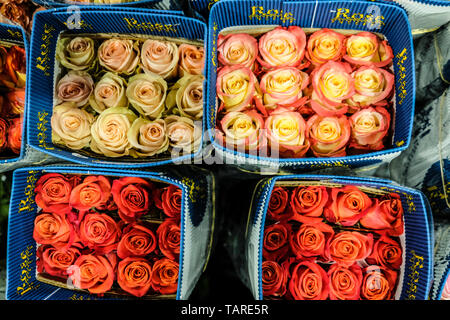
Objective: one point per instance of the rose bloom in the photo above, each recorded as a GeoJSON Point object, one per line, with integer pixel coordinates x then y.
{"type": "Point", "coordinates": [71, 126]}
{"type": "Point", "coordinates": [276, 241]}
{"type": "Point", "coordinates": [445, 295]}
{"type": "Point", "coordinates": [332, 85]}
{"type": "Point", "coordinates": [119, 55]}
{"type": "Point", "coordinates": [184, 134]}
{"type": "Point", "coordinates": [3, 134]}
{"type": "Point", "coordinates": [99, 232]}
{"type": "Point", "coordinates": [187, 96]}
{"type": "Point", "coordinates": [328, 136]}
{"type": "Point", "coordinates": [94, 273]}
{"type": "Point", "coordinates": [75, 86]}
{"type": "Point", "coordinates": [94, 192]}
{"type": "Point", "coordinates": [308, 202]}
{"type": "Point", "coordinates": [237, 49]}
{"type": "Point", "coordinates": [148, 138]}
{"type": "Point", "coordinates": [53, 193]}
{"type": "Point", "coordinates": [15, 101]}
{"type": "Point", "coordinates": [170, 201]}
{"type": "Point", "coordinates": [348, 247]}
{"type": "Point", "coordinates": [136, 241]}
{"type": "Point", "coordinates": [165, 276]}
{"type": "Point", "coordinates": [385, 215]}
{"type": "Point", "coordinates": [191, 60]}
{"type": "Point", "coordinates": [369, 127]}
{"type": "Point", "coordinates": [109, 92]}
{"type": "Point", "coordinates": [283, 87]}
{"type": "Point", "coordinates": [274, 279]}
{"type": "Point", "coordinates": [279, 199]}
{"type": "Point", "coordinates": [286, 130]}
{"type": "Point", "coordinates": [160, 57]}
{"type": "Point", "coordinates": [15, 67]}
{"type": "Point", "coordinates": [310, 240]}
{"type": "Point", "coordinates": [132, 196]}
{"type": "Point", "coordinates": [365, 48]}
{"type": "Point", "coordinates": [348, 205]}
{"type": "Point", "coordinates": [15, 135]}
{"type": "Point", "coordinates": [282, 47]}
{"type": "Point", "coordinates": [237, 87]}
{"type": "Point", "coordinates": [386, 253]}
{"type": "Point", "coordinates": [169, 235]}
{"type": "Point", "coordinates": [76, 54]}
{"type": "Point", "coordinates": [378, 283]}
{"type": "Point", "coordinates": [55, 261]}
{"type": "Point", "coordinates": [325, 45]}
{"type": "Point", "coordinates": [134, 275]}
{"type": "Point", "coordinates": [345, 282]}
{"type": "Point", "coordinates": [308, 281]}
{"type": "Point", "coordinates": [53, 229]}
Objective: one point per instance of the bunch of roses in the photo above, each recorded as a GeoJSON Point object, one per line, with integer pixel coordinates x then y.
{"type": "Point", "coordinates": [124, 97]}
{"type": "Point", "coordinates": [331, 243]}
{"type": "Point", "coordinates": [12, 99]}
{"type": "Point", "coordinates": [94, 231]}
{"type": "Point", "coordinates": [302, 95]}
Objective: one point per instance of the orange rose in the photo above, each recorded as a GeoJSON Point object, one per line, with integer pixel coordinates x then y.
{"type": "Point", "coordinates": [276, 241]}
{"type": "Point", "coordinates": [310, 240]}
{"type": "Point", "coordinates": [378, 283]}
{"type": "Point", "coordinates": [94, 192]}
{"type": "Point", "coordinates": [277, 204]}
{"type": "Point", "coordinates": [165, 276]}
{"type": "Point", "coordinates": [366, 48]}
{"type": "Point", "coordinates": [53, 192]}
{"type": "Point", "coordinates": [169, 235]}
{"type": "Point", "coordinates": [134, 275]}
{"type": "Point", "coordinates": [386, 253]}
{"type": "Point", "coordinates": [308, 203]}
{"type": "Point", "coordinates": [345, 282]}
{"type": "Point", "coordinates": [99, 232]}
{"type": "Point", "coordinates": [15, 135]}
{"type": "Point", "coordinates": [274, 279]}
{"type": "Point", "coordinates": [136, 241]}
{"type": "Point", "coordinates": [55, 261]}
{"type": "Point", "coordinates": [325, 45]}
{"type": "Point", "coordinates": [170, 201]}
{"type": "Point", "coordinates": [192, 59]}
{"type": "Point", "coordinates": [309, 281]}
{"type": "Point", "coordinates": [348, 247]}
{"type": "Point", "coordinates": [54, 229]}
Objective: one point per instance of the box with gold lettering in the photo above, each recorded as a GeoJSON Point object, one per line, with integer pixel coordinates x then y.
{"type": "Point", "coordinates": [309, 84]}
{"type": "Point", "coordinates": [128, 93]}
{"type": "Point", "coordinates": [96, 3]}
{"type": "Point", "coordinates": [88, 233]}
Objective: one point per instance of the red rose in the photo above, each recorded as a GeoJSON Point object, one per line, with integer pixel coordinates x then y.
{"type": "Point", "coordinates": [136, 241]}
{"type": "Point", "coordinates": [55, 261]}
{"type": "Point", "coordinates": [348, 205]}
{"type": "Point", "coordinates": [348, 247]}
{"type": "Point", "coordinates": [131, 195]}
{"type": "Point", "coordinates": [170, 201]}
{"type": "Point", "coordinates": [310, 240]}
{"type": "Point", "coordinates": [275, 243]}
{"type": "Point", "coordinates": [53, 192]}
{"type": "Point", "coordinates": [277, 204]}
{"type": "Point", "coordinates": [345, 282]}
{"type": "Point", "coordinates": [3, 133]}
{"type": "Point", "coordinates": [169, 234]}
{"type": "Point", "coordinates": [134, 275]}
{"type": "Point", "coordinates": [308, 203]}
{"type": "Point", "coordinates": [387, 253]}
{"type": "Point", "coordinates": [378, 283]}
{"type": "Point", "coordinates": [15, 135]}
{"type": "Point", "coordinates": [16, 101]}
{"type": "Point", "coordinates": [309, 281]}
{"type": "Point", "coordinates": [165, 276]}
{"type": "Point", "coordinates": [94, 192]}
{"type": "Point", "coordinates": [99, 232]}
{"type": "Point", "coordinates": [53, 229]}
{"type": "Point", "coordinates": [274, 279]}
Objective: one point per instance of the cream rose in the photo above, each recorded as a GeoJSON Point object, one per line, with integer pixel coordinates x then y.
{"type": "Point", "coordinates": [76, 54]}
{"type": "Point", "coordinates": [76, 87]}
{"type": "Point", "coordinates": [192, 59]}
{"type": "Point", "coordinates": [183, 133]}
{"type": "Point", "coordinates": [109, 92]}
{"type": "Point", "coordinates": [148, 137]}
{"type": "Point", "coordinates": [160, 57]}
{"type": "Point", "coordinates": [119, 55]}
{"type": "Point", "coordinates": [187, 95]}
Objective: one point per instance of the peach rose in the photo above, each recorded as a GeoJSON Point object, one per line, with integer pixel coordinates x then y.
{"type": "Point", "coordinates": [187, 96]}
{"type": "Point", "coordinates": [76, 87]}
{"type": "Point", "coordinates": [325, 45]}
{"type": "Point", "coordinates": [183, 133]}
{"type": "Point", "coordinates": [348, 247]}
{"type": "Point", "coordinates": [192, 59]}
{"type": "Point", "coordinates": [366, 48]}
{"type": "Point", "coordinates": [148, 138]}
{"type": "Point", "coordinates": [109, 92]}
{"type": "Point", "coordinates": [119, 55]}
{"type": "Point", "coordinates": [160, 57]}
{"type": "Point", "coordinates": [237, 49]}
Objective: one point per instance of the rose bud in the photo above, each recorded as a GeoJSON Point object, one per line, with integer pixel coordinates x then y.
{"type": "Point", "coordinates": [109, 92]}
{"type": "Point", "coordinates": [369, 127]}
{"type": "Point", "coordinates": [191, 60]}
{"type": "Point", "coordinates": [165, 276]}
{"type": "Point", "coordinates": [386, 253]}
{"type": "Point", "coordinates": [147, 93]}
{"type": "Point", "coordinates": [110, 132]}
{"type": "Point", "coordinates": [283, 87]}
{"type": "Point", "coordinates": [276, 241]}
{"type": "Point", "coordinates": [3, 134]}
{"type": "Point", "coordinates": [274, 279]}
{"type": "Point", "coordinates": [328, 136]}
{"type": "Point", "coordinates": [119, 55]}
{"type": "Point", "coordinates": [15, 135]}
{"type": "Point", "coordinates": [99, 232]}
{"type": "Point", "coordinates": [237, 49]}
{"type": "Point", "coordinates": [148, 138]}
{"type": "Point", "coordinates": [134, 275]}
{"type": "Point", "coordinates": [378, 283]}
{"type": "Point", "coordinates": [307, 203]}
{"type": "Point", "coordinates": [136, 241]}
{"type": "Point", "coordinates": [71, 126]}
{"type": "Point", "coordinates": [170, 201]}
{"type": "Point", "coordinates": [365, 48]}
{"type": "Point", "coordinates": [286, 131]}
{"type": "Point", "coordinates": [132, 196]}
{"type": "Point", "coordinates": [332, 85]}
{"type": "Point", "coordinates": [77, 53]}
{"type": "Point", "coordinates": [282, 47]}
{"type": "Point", "coordinates": [15, 101]}
{"type": "Point", "coordinates": [94, 192]}
{"type": "Point", "coordinates": [160, 57]}
{"type": "Point", "coordinates": [309, 281]}
{"type": "Point", "coordinates": [187, 96]}
{"type": "Point", "coordinates": [325, 45]}
{"type": "Point", "coordinates": [53, 229]}
{"type": "Point", "coordinates": [385, 215]}
{"type": "Point", "coordinates": [76, 87]}
{"type": "Point", "coordinates": [243, 130]}
{"type": "Point", "coordinates": [310, 240]}
{"type": "Point", "coordinates": [277, 210]}
{"type": "Point", "coordinates": [53, 193]}
{"type": "Point", "coordinates": [348, 247]}
{"type": "Point", "coordinates": [55, 261]}
{"type": "Point", "coordinates": [345, 282]}
{"type": "Point", "coordinates": [92, 272]}
{"type": "Point", "coordinates": [184, 134]}
{"type": "Point", "coordinates": [169, 234]}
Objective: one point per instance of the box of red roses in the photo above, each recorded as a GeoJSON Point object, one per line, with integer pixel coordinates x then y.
{"type": "Point", "coordinates": [311, 237]}
{"type": "Point", "coordinates": [86, 233]}
{"type": "Point", "coordinates": [309, 84]}
{"type": "Point", "coordinates": [127, 93]}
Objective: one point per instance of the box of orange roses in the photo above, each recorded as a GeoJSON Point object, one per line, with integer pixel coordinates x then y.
{"type": "Point", "coordinates": [317, 237]}
{"type": "Point", "coordinates": [309, 84]}
{"type": "Point", "coordinates": [86, 233]}
{"type": "Point", "coordinates": [128, 93]}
